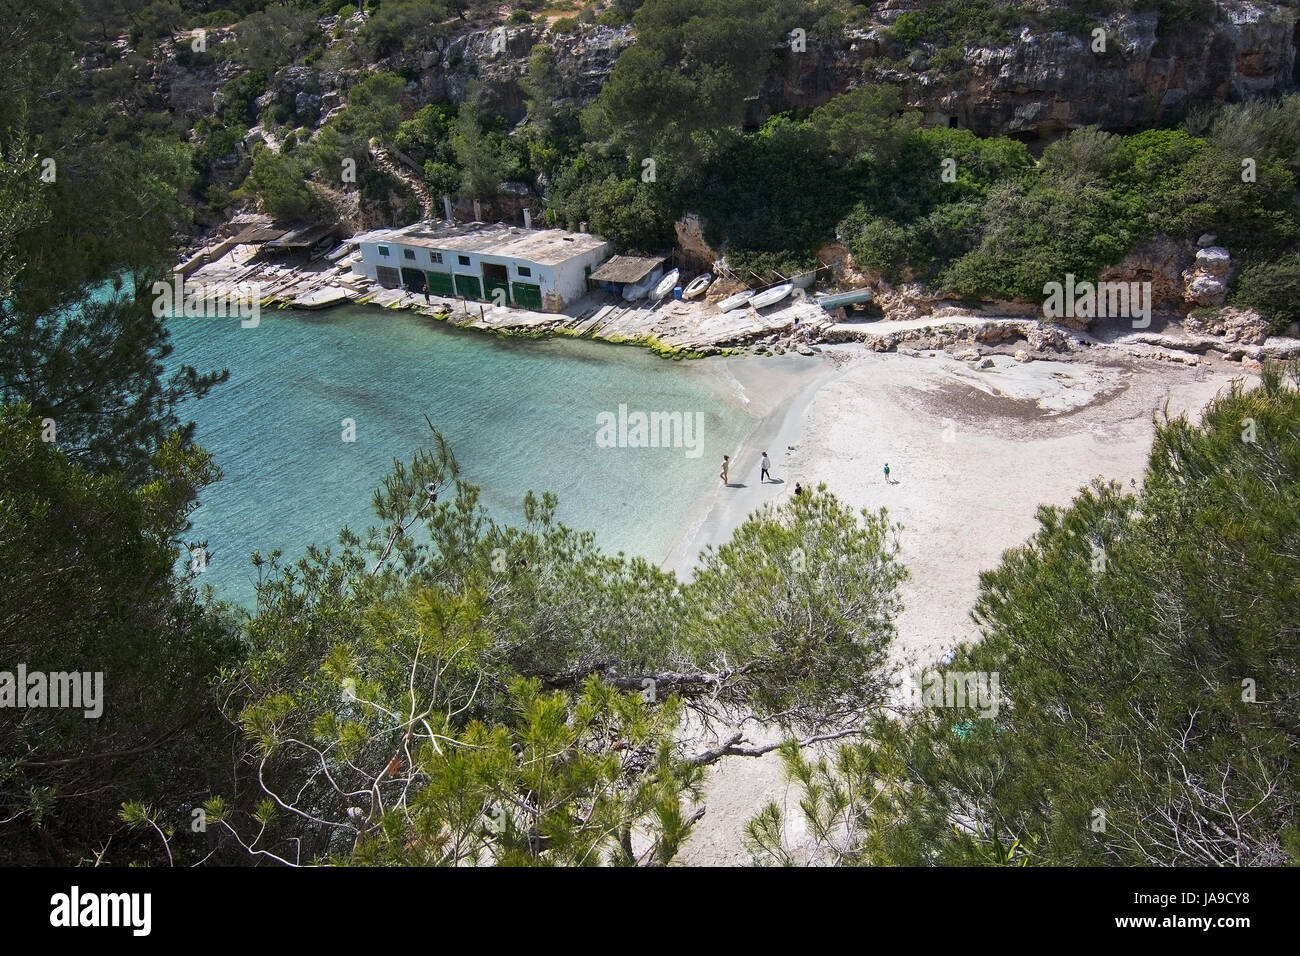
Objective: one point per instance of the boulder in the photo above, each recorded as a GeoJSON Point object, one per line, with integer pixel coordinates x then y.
{"type": "Point", "coordinates": [1235, 325]}
{"type": "Point", "coordinates": [1244, 326]}
{"type": "Point", "coordinates": [1206, 290]}
{"type": "Point", "coordinates": [1206, 283]}
{"type": "Point", "coordinates": [1213, 260]}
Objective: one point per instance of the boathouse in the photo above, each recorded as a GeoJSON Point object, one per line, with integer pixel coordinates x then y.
{"type": "Point", "coordinates": [623, 271]}
{"type": "Point", "coordinates": [540, 269]}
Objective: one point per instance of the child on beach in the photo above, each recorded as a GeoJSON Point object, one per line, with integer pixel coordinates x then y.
{"type": "Point", "coordinates": [887, 472]}
{"type": "Point", "coordinates": [764, 465]}
{"type": "Point", "coordinates": [726, 463]}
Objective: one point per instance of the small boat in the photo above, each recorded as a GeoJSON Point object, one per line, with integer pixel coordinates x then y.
{"type": "Point", "coordinates": [844, 298]}
{"type": "Point", "coordinates": [772, 296]}
{"type": "Point", "coordinates": [666, 284]}
{"type": "Point", "coordinates": [697, 286]}
{"type": "Point", "coordinates": [735, 301]}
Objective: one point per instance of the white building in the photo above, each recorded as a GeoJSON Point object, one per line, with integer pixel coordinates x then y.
{"type": "Point", "coordinates": [541, 269]}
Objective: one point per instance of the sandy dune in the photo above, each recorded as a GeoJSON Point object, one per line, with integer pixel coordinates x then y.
{"type": "Point", "coordinates": [972, 454]}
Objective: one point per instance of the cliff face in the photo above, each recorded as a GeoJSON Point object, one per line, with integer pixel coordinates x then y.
{"type": "Point", "coordinates": [498, 59]}
{"type": "Point", "coordinates": [1043, 83]}
{"type": "Point", "coordinates": [1037, 86]}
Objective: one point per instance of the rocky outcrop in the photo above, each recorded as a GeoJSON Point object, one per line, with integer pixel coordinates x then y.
{"type": "Point", "coordinates": [844, 272]}
{"type": "Point", "coordinates": [694, 254]}
{"type": "Point", "coordinates": [498, 58]}
{"type": "Point", "coordinates": [1207, 281]}
{"type": "Point", "coordinates": [1160, 261]}
{"type": "Point", "coordinates": [965, 335]}
{"type": "Point", "coordinates": [1039, 85]}
{"type": "Point", "coordinates": [1045, 82]}
{"type": "Point", "coordinates": [1241, 326]}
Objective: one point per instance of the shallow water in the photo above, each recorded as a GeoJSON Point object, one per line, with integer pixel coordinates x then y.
{"type": "Point", "coordinates": [519, 415]}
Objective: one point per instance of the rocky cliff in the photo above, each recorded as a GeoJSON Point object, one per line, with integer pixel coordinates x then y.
{"type": "Point", "coordinates": [1037, 86]}
{"type": "Point", "coordinates": [1046, 82]}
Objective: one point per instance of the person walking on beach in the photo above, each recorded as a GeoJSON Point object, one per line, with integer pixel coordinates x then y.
{"type": "Point", "coordinates": [887, 481]}
{"type": "Point", "coordinates": [726, 463]}
{"type": "Point", "coordinates": [763, 469]}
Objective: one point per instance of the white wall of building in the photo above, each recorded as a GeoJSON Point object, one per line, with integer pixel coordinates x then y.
{"type": "Point", "coordinates": [568, 279]}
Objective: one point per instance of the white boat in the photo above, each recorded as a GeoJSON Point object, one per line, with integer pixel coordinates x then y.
{"type": "Point", "coordinates": [772, 296]}
{"type": "Point", "coordinates": [666, 284]}
{"type": "Point", "coordinates": [735, 301]}
{"type": "Point", "coordinates": [697, 286]}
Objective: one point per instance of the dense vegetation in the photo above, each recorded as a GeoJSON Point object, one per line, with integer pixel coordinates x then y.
{"type": "Point", "coordinates": [770, 198]}
{"type": "Point", "coordinates": [667, 135]}
{"type": "Point", "coordinates": [98, 472]}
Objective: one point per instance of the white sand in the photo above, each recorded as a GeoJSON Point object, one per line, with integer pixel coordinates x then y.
{"type": "Point", "coordinates": [972, 455]}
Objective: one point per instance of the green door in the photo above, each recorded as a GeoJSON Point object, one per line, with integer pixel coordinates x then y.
{"type": "Point", "coordinates": [527, 296]}
{"type": "Point", "coordinates": [440, 283]}
{"type": "Point", "coordinates": [469, 287]}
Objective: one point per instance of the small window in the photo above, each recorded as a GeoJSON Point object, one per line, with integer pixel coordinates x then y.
{"type": "Point", "coordinates": [383, 250]}
{"type": "Point", "coordinates": [525, 271]}
{"type": "Point", "coordinates": [435, 257]}
{"type": "Point", "coordinates": [408, 254]}
{"type": "Point", "coordinates": [463, 260]}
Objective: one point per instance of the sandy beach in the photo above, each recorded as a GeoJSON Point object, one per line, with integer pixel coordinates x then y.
{"type": "Point", "coordinates": [972, 454]}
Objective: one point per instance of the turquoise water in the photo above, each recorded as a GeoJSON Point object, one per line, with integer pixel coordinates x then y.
{"type": "Point", "coordinates": [519, 415]}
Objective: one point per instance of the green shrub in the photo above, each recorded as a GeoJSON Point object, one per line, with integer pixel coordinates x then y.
{"type": "Point", "coordinates": [280, 183]}
{"type": "Point", "coordinates": [220, 18]}
{"type": "Point", "coordinates": [1272, 289]}
{"type": "Point", "coordinates": [882, 246]}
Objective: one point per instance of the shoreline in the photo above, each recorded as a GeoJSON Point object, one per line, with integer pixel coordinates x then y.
{"type": "Point", "coordinates": [712, 520]}
{"type": "Point", "coordinates": [676, 329]}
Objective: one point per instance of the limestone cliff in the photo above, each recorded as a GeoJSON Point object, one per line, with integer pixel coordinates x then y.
{"type": "Point", "coordinates": [1045, 82]}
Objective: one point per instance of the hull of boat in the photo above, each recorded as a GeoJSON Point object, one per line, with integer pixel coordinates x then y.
{"type": "Point", "coordinates": [697, 286]}
{"type": "Point", "coordinates": [667, 283]}
{"type": "Point", "coordinates": [845, 298]}
{"type": "Point", "coordinates": [735, 301]}
{"type": "Point", "coordinates": [771, 296]}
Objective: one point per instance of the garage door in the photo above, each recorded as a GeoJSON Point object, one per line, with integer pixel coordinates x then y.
{"type": "Point", "coordinates": [527, 296]}
{"type": "Point", "coordinates": [469, 287]}
{"type": "Point", "coordinates": [413, 280]}
{"type": "Point", "coordinates": [440, 283]}
{"type": "Point", "coordinates": [388, 277]}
